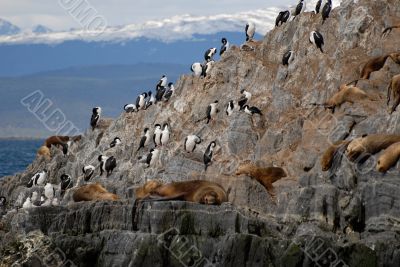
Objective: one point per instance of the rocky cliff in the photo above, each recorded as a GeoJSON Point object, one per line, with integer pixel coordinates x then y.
{"type": "Point", "coordinates": [348, 216]}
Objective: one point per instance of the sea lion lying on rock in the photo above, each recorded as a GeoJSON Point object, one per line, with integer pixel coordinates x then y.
{"type": "Point", "coordinates": [199, 191]}
{"type": "Point", "coordinates": [91, 192]}
{"type": "Point", "coordinates": [376, 64]}
{"type": "Point", "coordinates": [43, 151]}
{"type": "Point", "coordinates": [329, 156]}
{"type": "Point", "coordinates": [347, 93]}
{"type": "Point", "coordinates": [265, 176]}
{"type": "Point", "coordinates": [388, 158]}
{"type": "Point", "coordinates": [363, 147]}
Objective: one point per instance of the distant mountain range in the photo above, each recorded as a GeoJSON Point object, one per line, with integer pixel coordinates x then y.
{"type": "Point", "coordinates": [75, 91]}
{"type": "Point", "coordinates": [7, 28]}
{"type": "Point", "coordinates": [23, 59]}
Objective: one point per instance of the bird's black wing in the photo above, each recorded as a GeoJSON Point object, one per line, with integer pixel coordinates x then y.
{"type": "Point", "coordinates": [137, 101]}
{"type": "Point", "coordinates": [256, 110]}
{"type": "Point", "coordinates": [222, 50]}
{"type": "Point", "coordinates": [208, 113]}
{"type": "Point", "coordinates": [242, 102]}
{"type": "Point", "coordinates": [298, 8]}
{"type": "Point", "coordinates": [318, 6]}
{"type": "Point", "coordinates": [148, 158]}
{"type": "Point", "coordinates": [142, 141]}
{"type": "Point", "coordinates": [278, 19]}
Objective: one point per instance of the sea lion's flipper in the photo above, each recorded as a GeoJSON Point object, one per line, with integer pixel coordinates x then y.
{"type": "Point", "coordinates": [337, 158]}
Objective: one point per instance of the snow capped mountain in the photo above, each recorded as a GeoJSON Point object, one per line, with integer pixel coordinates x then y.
{"type": "Point", "coordinates": [181, 27]}
{"type": "Point", "coordinates": [41, 29]}
{"type": "Point", "coordinates": [7, 28]}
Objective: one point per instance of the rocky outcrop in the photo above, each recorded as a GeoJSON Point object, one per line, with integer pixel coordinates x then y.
{"type": "Point", "coordinates": [349, 216]}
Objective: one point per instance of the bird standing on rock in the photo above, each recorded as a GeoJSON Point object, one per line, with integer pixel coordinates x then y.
{"type": "Point", "coordinates": [250, 31]}
{"type": "Point", "coordinates": [94, 120]}
{"type": "Point", "coordinates": [317, 39]}
{"type": "Point", "coordinates": [212, 111]}
{"type": "Point", "coordinates": [224, 47]}
{"type": "Point", "coordinates": [209, 54]}
{"type": "Point", "coordinates": [207, 157]}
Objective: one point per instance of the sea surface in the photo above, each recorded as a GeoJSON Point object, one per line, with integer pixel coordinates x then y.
{"type": "Point", "coordinates": [16, 155]}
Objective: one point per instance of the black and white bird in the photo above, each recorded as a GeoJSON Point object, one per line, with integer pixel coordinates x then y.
{"type": "Point", "coordinates": [250, 31]}
{"type": "Point", "coordinates": [65, 147]}
{"type": "Point", "coordinates": [38, 179]}
{"type": "Point", "coordinates": [224, 47]}
{"type": "Point", "coordinates": [326, 10]}
{"type": "Point", "coordinates": [318, 6]}
{"type": "Point", "coordinates": [170, 91]}
{"type": "Point", "coordinates": [117, 141]}
{"type": "Point", "coordinates": [283, 17]}
{"type": "Point", "coordinates": [230, 108]}
{"type": "Point", "coordinates": [207, 68]}
{"type": "Point", "coordinates": [107, 164]}
{"type": "Point", "coordinates": [160, 91]}
{"type": "Point", "coordinates": [152, 157]}
{"type": "Point", "coordinates": [287, 58]}
{"type": "Point", "coordinates": [212, 111]}
{"type": "Point", "coordinates": [150, 100]}
{"type": "Point", "coordinates": [66, 183]}
{"type": "Point", "coordinates": [252, 110]}
{"type": "Point", "coordinates": [197, 69]}
{"type": "Point", "coordinates": [209, 54]}
{"type": "Point", "coordinates": [165, 134]}
{"type": "Point", "coordinates": [3, 201]}
{"type": "Point", "coordinates": [96, 113]}
{"type": "Point", "coordinates": [162, 83]}
{"type": "Point", "coordinates": [317, 39]}
{"type": "Point", "coordinates": [246, 96]}
{"type": "Point", "coordinates": [145, 140]}
{"type": "Point", "coordinates": [190, 143]}
{"type": "Point", "coordinates": [300, 8]}
{"type": "Point", "coordinates": [207, 157]}
{"type": "Point", "coordinates": [141, 101]}
{"type": "Point", "coordinates": [130, 108]}
{"type": "Point", "coordinates": [88, 172]}
{"type": "Point", "coordinates": [157, 135]}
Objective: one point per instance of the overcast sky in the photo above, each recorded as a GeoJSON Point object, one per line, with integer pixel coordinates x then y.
{"type": "Point", "coordinates": [27, 13]}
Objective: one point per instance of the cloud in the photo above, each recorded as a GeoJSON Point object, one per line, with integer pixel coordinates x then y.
{"type": "Point", "coordinates": [172, 29]}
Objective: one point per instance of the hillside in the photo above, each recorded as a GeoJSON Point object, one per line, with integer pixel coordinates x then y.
{"type": "Point", "coordinates": [348, 216]}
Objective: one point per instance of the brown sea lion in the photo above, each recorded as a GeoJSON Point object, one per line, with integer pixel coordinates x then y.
{"type": "Point", "coordinates": [388, 158]}
{"type": "Point", "coordinates": [347, 93]}
{"type": "Point", "coordinates": [376, 64]}
{"type": "Point", "coordinates": [363, 147]}
{"type": "Point", "coordinates": [389, 29]}
{"type": "Point", "coordinates": [199, 191]}
{"type": "Point", "coordinates": [265, 176]}
{"type": "Point", "coordinates": [59, 140]}
{"type": "Point", "coordinates": [93, 192]}
{"type": "Point", "coordinates": [394, 90]}
{"type": "Point", "coordinates": [43, 151]}
{"type": "Point", "coordinates": [56, 140]}
{"type": "Point", "coordinates": [328, 158]}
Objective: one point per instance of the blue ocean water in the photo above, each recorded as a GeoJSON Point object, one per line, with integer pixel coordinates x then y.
{"type": "Point", "coordinates": [16, 155]}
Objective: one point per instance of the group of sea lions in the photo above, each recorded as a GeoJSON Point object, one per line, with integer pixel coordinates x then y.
{"type": "Point", "coordinates": [361, 148]}
{"type": "Point", "coordinates": [199, 191]}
